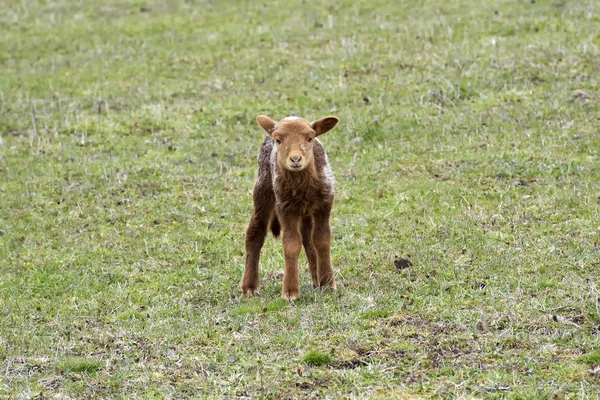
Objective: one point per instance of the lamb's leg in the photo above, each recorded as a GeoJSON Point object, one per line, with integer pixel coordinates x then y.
{"type": "Point", "coordinates": [309, 249]}
{"type": "Point", "coordinates": [322, 242]}
{"type": "Point", "coordinates": [255, 238]}
{"type": "Point", "coordinates": [292, 245]}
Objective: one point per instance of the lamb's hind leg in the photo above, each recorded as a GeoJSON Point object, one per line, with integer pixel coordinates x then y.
{"type": "Point", "coordinates": [309, 249]}
{"type": "Point", "coordinates": [255, 238]}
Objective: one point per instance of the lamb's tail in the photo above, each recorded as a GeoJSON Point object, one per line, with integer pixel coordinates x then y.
{"type": "Point", "coordinates": [275, 227]}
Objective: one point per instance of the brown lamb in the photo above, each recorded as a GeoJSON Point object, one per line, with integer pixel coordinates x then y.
{"type": "Point", "coordinates": [293, 193]}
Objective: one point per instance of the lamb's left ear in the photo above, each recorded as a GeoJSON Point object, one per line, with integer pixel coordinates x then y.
{"type": "Point", "coordinates": [324, 124]}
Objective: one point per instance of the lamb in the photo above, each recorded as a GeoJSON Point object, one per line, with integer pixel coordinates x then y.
{"type": "Point", "coordinates": [293, 193]}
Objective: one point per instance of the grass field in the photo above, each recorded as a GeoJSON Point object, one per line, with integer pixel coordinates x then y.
{"type": "Point", "coordinates": [468, 145]}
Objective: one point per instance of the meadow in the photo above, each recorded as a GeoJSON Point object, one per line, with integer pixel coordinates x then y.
{"type": "Point", "coordinates": [466, 225]}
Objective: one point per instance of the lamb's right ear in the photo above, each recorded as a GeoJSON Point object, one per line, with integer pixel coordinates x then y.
{"type": "Point", "coordinates": [266, 123]}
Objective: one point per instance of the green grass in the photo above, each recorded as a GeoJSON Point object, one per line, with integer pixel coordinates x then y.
{"type": "Point", "coordinates": [79, 365]}
{"type": "Point", "coordinates": [468, 144]}
{"type": "Point", "coordinates": [592, 358]}
{"type": "Point", "coordinates": [317, 358]}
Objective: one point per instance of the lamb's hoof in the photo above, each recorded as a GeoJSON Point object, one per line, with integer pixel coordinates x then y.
{"type": "Point", "coordinates": [328, 285]}
{"type": "Point", "coordinates": [290, 295]}
{"type": "Point", "coordinates": [250, 291]}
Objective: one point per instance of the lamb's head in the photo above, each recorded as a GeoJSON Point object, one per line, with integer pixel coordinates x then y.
{"type": "Point", "coordinates": [294, 138]}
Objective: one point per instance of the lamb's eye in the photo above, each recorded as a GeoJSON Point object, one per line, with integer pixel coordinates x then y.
{"type": "Point", "coordinates": [309, 140]}
{"type": "Point", "coordinates": [277, 141]}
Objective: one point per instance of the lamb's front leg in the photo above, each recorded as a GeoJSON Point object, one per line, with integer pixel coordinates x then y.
{"type": "Point", "coordinates": [309, 249]}
{"type": "Point", "coordinates": [322, 243]}
{"type": "Point", "coordinates": [292, 245]}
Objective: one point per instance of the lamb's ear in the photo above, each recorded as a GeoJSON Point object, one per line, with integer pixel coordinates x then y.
{"type": "Point", "coordinates": [324, 124]}
{"type": "Point", "coordinates": [266, 123]}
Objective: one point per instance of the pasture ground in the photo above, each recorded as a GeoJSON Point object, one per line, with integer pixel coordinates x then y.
{"type": "Point", "coordinates": [468, 144]}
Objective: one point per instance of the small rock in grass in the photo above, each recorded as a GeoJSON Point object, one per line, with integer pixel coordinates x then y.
{"type": "Point", "coordinates": [479, 285]}
{"type": "Point", "coordinates": [402, 263]}
{"type": "Point", "coordinates": [580, 94]}
{"type": "Point", "coordinates": [232, 358]}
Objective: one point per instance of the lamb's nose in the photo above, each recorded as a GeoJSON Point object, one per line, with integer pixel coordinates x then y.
{"type": "Point", "coordinates": [296, 159]}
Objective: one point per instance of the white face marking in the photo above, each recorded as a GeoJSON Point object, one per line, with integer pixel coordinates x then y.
{"type": "Point", "coordinates": [303, 147]}
{"type": "Point", "coordinates": [290, 118]}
